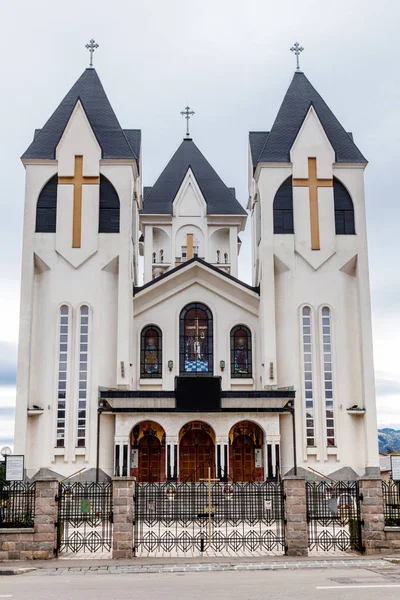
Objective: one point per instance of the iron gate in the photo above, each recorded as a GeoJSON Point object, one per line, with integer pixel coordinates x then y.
{"type": "Point", "coordinates": [84, 517]}
{"type": "Point", "coordinates": [196, 517]}
{"type": "Point", "coordinates": [333, 516]}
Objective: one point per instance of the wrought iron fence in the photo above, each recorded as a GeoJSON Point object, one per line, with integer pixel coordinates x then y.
{"type": "Point", "coordinates": [333, 516]}
{"type": "Point", "coordinates": [17, 504]}
{"type": "Point", "coordinates": [84, 517]}
{"type": "Point", "coordinates": [233, 517]}
{"type": "Point", "coordinates": [391, 503]}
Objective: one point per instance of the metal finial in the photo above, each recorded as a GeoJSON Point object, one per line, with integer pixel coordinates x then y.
{"type": "Point", "coordinates": [186, 113]}
{"type": "Point", "coordinates": [91, 47]}
{"type": "Point", "coordinates": [296, 48]}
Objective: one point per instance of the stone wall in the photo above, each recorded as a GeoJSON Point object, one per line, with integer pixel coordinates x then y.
{"type": "Point", "coordinates": [376, 537]}
{"type": "Point", "coordinates": [39, 541]}
{"type": "Point", "coordinates": [296, 516]}
{"type": "Point", "coordinates": [122, 545]}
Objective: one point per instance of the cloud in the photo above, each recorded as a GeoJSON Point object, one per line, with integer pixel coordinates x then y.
{"type": "Point", "coordinates": [8, 363]}
{"type": "Point", "coordinates": [387, 387]}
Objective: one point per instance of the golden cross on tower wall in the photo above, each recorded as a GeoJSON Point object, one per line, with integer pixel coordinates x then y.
{"type": "Point", "coordinates": [78, 180]}
{"type": "Point", "coordinates": [313, 183]}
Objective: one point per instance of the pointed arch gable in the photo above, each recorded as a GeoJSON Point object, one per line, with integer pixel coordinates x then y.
{"type": "Point", "coordinates": [283, 208]}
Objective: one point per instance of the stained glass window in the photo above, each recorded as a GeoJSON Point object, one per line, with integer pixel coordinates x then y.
{"type": "Point", "coordinates": [83, 375]}
{"type": "Point", "coordinates": [64, 326]}
{"type": "Point", "coordinates": [151, 352]}
{"type": "Point", "coordinates": [241, 363]}
{"type": "Point", "coordinates": [196, 340]}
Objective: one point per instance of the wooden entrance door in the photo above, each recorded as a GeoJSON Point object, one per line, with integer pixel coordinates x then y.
{"type": "Point", "coordinates": [149, 459]}
{"type": "Point", "coordinates": [196, 452]}
{"type": "Point", "coordinates": [243, 460]}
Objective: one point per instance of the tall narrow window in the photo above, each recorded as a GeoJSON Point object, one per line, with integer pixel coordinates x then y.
{"type": "Point", "coordinates": [46, 208]}
{"type": "Point", "coordinates": [154, 257]}
{"type": "Point", "coordinates": [83, 375]}
{"type": "Point", "coordinates": [151, 352]}
{"type": "Point", "coordinates": [344, 209]}
{"type": "Point", "coordinates": [108, 207]}
{"type": "Point", "coordinates": [241, 363]}
{"type": "Point", "coordinates": [196, 340]}
{"type": "Point", "coordinates": [161, 256]}
{"type": "Point", "coordinates": [218, 256]}
{"type": "Point", "coordinates": [283, 208]}
{"type": "Point", "coordinates": [63, 341]}
{"type": "Point", "coordinates": [308, 375]}
{"type": "Point", "coordinates": [328, 376]}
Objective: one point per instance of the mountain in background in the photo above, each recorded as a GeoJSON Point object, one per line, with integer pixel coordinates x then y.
{"type": "Point", "coordinates": [389, 440]}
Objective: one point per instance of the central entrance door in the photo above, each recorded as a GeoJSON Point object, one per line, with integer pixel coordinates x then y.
{"type": "Point", "coordinates": [243, 461]}
{"type": "Point", "coordinates": [149, 459]}
{"type": "Point", "coordinates": [196, 453]}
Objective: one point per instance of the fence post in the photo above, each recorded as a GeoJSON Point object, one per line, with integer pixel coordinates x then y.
{"type": "Point", "coordinates": [45, 536]}
{"type": "Point", "coordinates": [123, 511]}
{"type": "Point", "coordinates": [296, 515]}
{"type": "Point", "coordinates": [372, 513]}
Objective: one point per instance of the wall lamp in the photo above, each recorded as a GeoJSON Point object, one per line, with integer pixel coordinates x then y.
{"type": "Point", "coordinates": [170, 365]}
{"type": "Point", "coordinates": [222, 364]}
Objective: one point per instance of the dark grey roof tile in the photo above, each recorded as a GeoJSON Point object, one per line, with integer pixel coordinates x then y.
{"type": "Point", "coordinates": [89, 90]}
{"type": "Point", "coordinates": [219, 198]}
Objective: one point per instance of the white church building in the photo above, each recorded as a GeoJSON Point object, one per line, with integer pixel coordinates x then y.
{"type": "Point", "coordinates": [194, 367]}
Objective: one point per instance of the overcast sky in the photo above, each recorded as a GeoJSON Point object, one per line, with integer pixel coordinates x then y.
{"type": "Point", "coordinates": [230, 61]}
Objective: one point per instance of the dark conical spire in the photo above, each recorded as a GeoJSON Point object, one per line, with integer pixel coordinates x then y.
{"type": "Point", "coordinates": [295, 106]}
{"type": "Point", "coordinates": [220, 199]}
{"type": "Point", "coordinates": [111, 137]}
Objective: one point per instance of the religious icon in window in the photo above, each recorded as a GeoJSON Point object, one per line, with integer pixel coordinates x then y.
{"type": "Point", "coordinates": [241, 363]}
{"type": "Point", "coordinates": [151, 356]}
{"type": "Point", "coordinates": [196, 339]}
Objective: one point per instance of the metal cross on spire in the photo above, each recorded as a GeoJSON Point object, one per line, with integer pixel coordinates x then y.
{"type": "Point", "coordinates": [296, 48]}
{"type": "Point", "coordinates": [91, 46]}
{"type": "Point", "coordinates": [187, 113]}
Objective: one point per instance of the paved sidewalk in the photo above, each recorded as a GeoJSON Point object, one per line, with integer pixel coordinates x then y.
{"type": "Point", "coordinates": [142, 566]}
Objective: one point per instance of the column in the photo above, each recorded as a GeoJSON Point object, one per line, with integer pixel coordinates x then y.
{"type": "Point", "coordinates": [273, 460]}
{"type": "Point", "coordinates": [148, 251]}
{"type": "Point", "coordinates": [121, 457]}
{"type": "Point", "coordinates": [371, 509]}
{"type": "Point", "coordinates": [171, 458]}
{"type": "Point", "coordinates": [296, 516]}
{"type": "Point", "coordinates": [233, 255]}
{"type": "Point", "coordinates": [123, 517]}
{"type": "Point", "coordinates": [265, 459]}
{"type": "Point", "coordinates": [221, 458]}
{"type": "Point", "coordinates": [46, 513]}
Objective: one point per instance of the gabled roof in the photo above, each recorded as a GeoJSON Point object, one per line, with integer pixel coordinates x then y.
{"type": "Point", "coordinates": [114, 142]}
{"type": "Point", "coordinates": [186, 264]}
{"type": "Point", "coordinates": [295, 106]}
{"type": "Point", "coordinates": [219, 198]}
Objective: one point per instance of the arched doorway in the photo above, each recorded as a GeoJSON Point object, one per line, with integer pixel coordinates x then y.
{"type": "Point", "coordinates": [196, 451]}
{"type": "Point", "coordinates": [148, 452]}
{"type": "Point", "coordinates": [246, 456]}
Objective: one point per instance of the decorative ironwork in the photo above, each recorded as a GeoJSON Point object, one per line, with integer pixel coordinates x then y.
{"type": "Point", "coordinates": [246, 517]}
{"type": "Point", "coordinates": [333, 516]}
{"type": "Point", "coordinates": [17, 504]}
{"type": "Point", "coordinates": [196, 340]}
{"type": "Point", "coordinates": [391, 503]}
{"type": "Point", "coordinates": [91, 46]}
{"type": "Point", "coordinates": [85, 517]}
{"type": "Point", "coordinates": [297, 49]}
{"type": "Point", "coordinates": [241, 362]}
{"type": "Point", "coordinates": [187, 113]}
{"type": "Point", "coordinates": [151, 352]}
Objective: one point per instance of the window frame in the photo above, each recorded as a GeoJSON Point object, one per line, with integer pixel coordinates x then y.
{"type": "Point", "coordinates": [183, 341]}
{"type": "Point", "coordinates": [159, 352]}
{"type": "Point", "coordinates": [248, 352]}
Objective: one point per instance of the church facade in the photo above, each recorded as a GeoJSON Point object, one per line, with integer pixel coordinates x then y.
{"type": "Point", "coordinates": [193, 368]}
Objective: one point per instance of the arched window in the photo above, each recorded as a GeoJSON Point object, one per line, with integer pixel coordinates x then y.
{"type": "Point", "coordinates": [109, 207]}
{"type": "Point", "coordinates": [283, 208]}
{"type": "Point", "coordinates": [64, 332]}
{"type": "Point", "coordinates": [161, 256]}
{"type": "Point", "coordinates": [218, 256]}
{"type": "Point", "coordinates": [83, 375]}
{"type": "Point", "coordinates": [46, 208]}
{"type": "Point", "coordinates": [344, 209]}
{"type": "Point", "coordinates": [196, 340]}
{"type": "Point", "coordinates": [328, 375]}
{"type": "Point", "coordinates": [154, 257]}
{"type": "Point", "coordinates": [241, 360]}
{"type": "Point", "coordinates": [151, 352]}
{"type": "Point", "coordinates": [306, 333]}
